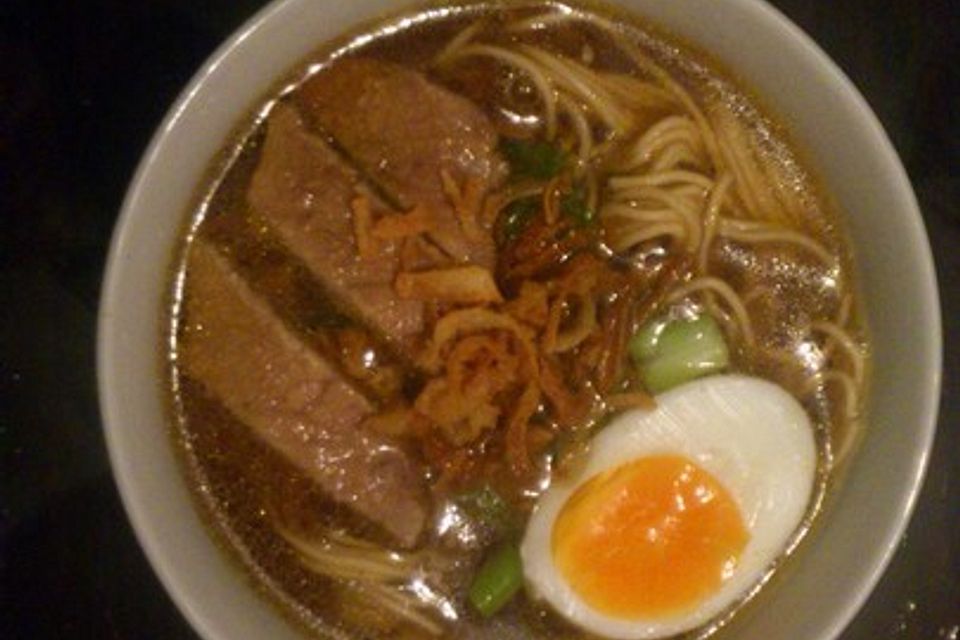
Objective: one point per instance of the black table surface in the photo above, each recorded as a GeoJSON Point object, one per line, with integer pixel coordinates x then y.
{"type": "Point", "coordinates": [83, 84]}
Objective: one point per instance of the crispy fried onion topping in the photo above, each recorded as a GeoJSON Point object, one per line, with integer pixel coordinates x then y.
{"type": "Point", "coordinates": [573, 296]}
{"type": "Point", "coordinates": [462, 285]}
{"type": "Point", "coordinates": [487, 375]}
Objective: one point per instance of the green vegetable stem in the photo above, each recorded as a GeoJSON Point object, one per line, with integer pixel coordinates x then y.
{"type": "Point", "coordinates": [498, 581]}
{"type": "Point", "coordinates": [670, 352]}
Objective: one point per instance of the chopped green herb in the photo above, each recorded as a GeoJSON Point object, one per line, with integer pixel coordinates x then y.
{"type": "Point", "coordinates": [643, 344]}
{"type": "Point", "coordinates": [671, 352]}
{"type": "Point", "coordinates": [498, 580]}
{"type": "Point", "coordinates": [533, 158]}
{"type": "Point", "coordinates": [516, 217]}
{"type": "Point", "coordinates": [574, 206]}
{"type": "Point", "coordinates": [487, 507]}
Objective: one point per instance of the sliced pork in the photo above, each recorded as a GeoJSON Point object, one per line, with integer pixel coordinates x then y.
{"type": "Point", "coordinates": [303, 189]}
{"type": "Point", "coordinates": [293, 399]}
{"type": "Point", "coordinates": [405, 131]}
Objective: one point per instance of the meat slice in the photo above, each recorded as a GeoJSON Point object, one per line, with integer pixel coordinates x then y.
{"type": "Point", "coordinates": [404, 130]}
{"type": "Point", "coordinates": [303, 189]}
{"type": "Point", "coordinates": [292, 399]}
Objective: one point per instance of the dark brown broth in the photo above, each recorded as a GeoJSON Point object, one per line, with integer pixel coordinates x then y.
{"type": "Point", "coordinates": [240, 482]}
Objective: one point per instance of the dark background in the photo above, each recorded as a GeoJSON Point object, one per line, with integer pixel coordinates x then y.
{"type": "Point", "coordinates": [83, 84]}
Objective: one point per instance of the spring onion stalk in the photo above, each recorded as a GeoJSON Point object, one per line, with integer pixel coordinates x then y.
{"type": "Point", "coordinates": [670, 352]}
{"type": "Point", "coordinates": [574, 206]}
{"type": "Point", "coordinates": [499, 579]}
{"type": "Point", "coordinates": [516, 217]}
{"type": "Point", "coordinates": [487, 507]}
{"type": "Point", "coordinates": [533, 159]}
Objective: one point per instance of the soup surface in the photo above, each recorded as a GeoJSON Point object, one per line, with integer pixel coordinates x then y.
{"type": "Point", "coordinates": [513, 321]}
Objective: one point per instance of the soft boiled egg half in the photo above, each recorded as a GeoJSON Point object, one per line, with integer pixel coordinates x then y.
{"type": "Point", "coordinates": [677, 513]}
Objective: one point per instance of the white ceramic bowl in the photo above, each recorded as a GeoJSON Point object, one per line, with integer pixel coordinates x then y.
{"type": "Point", "coordinates": [833, 575]}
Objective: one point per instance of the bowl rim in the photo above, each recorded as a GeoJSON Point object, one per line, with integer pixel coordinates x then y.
{"type": "Point", "coordinates": [933, 356]}
{"type": "Point", "coordinates": [156, 550]}
{"type": "Point", "coordinates": [153, 548]}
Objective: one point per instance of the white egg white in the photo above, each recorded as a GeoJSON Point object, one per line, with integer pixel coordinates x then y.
{"type": "Point", "coordinates": [750, 434]}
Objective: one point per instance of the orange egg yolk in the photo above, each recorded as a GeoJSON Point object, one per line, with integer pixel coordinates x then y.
{"type": "Point", "coordinates": [650, 538]}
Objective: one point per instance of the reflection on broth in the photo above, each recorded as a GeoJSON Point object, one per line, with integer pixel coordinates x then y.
{"type": "Point", "coordinates": [489, 263]}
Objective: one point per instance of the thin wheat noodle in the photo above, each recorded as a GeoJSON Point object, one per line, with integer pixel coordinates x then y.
{"type": "Point", "coordinates": [742, 160]}
{"type": "Point", "coordinates": [784, 189]}
{"type": "Point", "coordinates": [847, 345]}
{"type": "Point", "coordinates": [355, 570]}
{"type": "Point", "coordinates": [403, 606]}
{"type": "Point", "coordinates": [497, 202]}
{"type": "Point", "coordinates": [675, 156]}
{"type": "Point", "coordinates": [776, 236]}
{"type": "Point", "coordinates": [360, 566]}
{"type": "Point", "coordinates": [370, 559]}
{"type": "Point", "coordinates": [637, 214]}
{"type": "Point", "coordinates": [754, 294]}
{"type": "Point", "coordinates": [550, 199]}
{"type": "Point", "coordinates": [651, 232]}
{"type": "Point", "coordinates": [593, 189]}
{"type": "Point", "coordinates": [729, 296]}
{"type": "Point", "coordinates": [661, 179]}
{"type": "Point", "coordinates": [601, 148]}
{"type": "Point", "coordinates": [730, 326]}
{"type": "Point", "coordinates": [520, 191]}
{"type": "Point", "coordinates": [668, 131]}
{"type": "Point", "coordinates": [851, 403]}
{"type": "Point", "coordinates": [847, 384]}
{"type": "Point", "coordinates": [670, 151]}
{"type": "Point", "coordinates": [664, 125]}
{"type": "Point", "coordinates": [687, 211]}
{"type": "Point", "coordinates": [540, 20]}
{"type": "Point", "coordinates": [741, 187]}
{"type": "Point", "coordinates": [542, 82]}
{"type": "Point", "coordinates": [645, 222]}
{"type": "Point", "coordinates": [584, 323]}
{"type": "Point", "coordinates": [673, 199]}
{"type": "Point", "coordinates": [583, 81]}
{"type": "Point", "coordinates": [660, 75]}
{"type": "Point", "coordinates": [577, 79]}
{"type": "Point", "coordinates": [651, 68]}
{"type": "Point", "coordinates": [745, 185]}
{"type": "Point", "coordinates": [843, 315]}
{"type": "Point", "coordinates": [661, 128]}
{"type": "Point", "coordinates": [367, 577]}
{"type": "Point", "coordinates": [711, 217]}
{"type": "Point", "coordinates": [696, 195]}
{"type": "Point", "coordinates": [851, 408]}
{"type": "Point", "coordinates": [580, 126]}
{"type": "Point", "coordinates": [457, 42]}
{"type": "Point", "coordinates": [640, 94]}
{"type": "Point", "coordinates": [345, 539]}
